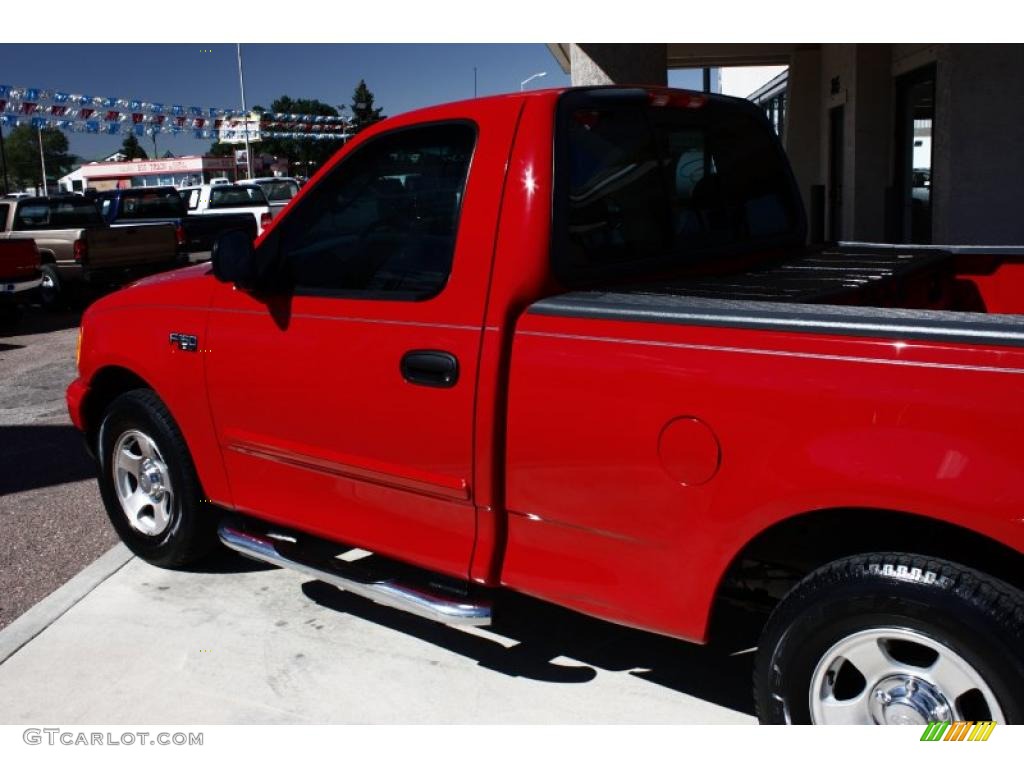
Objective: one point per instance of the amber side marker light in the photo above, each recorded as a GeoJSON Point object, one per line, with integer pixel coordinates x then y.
{"type": "Point", "coordinates": [78, 348]}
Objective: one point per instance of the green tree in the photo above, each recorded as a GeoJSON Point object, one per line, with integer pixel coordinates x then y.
{"type": "Point", "coordinates": [132, 149]}
{"type": "Point", "coordinates": [23, 167]}
{"type": "Point", "coordinates": [219, 149]}
{"type": "Point", "coordinates": [306, 156]}
{"type": "Point", "coordinates": [363, 111]}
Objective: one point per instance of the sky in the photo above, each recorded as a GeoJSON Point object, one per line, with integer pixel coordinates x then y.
{"type": "Point", "coordinates": [402, 77]}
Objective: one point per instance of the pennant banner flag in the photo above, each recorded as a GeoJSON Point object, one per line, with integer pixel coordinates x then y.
{"type": "Point", "coordinates": [83, 113]}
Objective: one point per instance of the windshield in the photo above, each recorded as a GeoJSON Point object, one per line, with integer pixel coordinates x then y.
{"type": "Point", "coordinates": [231, 196]}
{"type": "Point", "coordinates": [279, 190]}
{"type": "Point", "coordinates": [647, 182]}
{"type": "Point", "coordinates": [155, 204]}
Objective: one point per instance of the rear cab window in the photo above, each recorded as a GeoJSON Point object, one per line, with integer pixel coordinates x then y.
{"type": "Point", "coordinates": [279, 191]}
{"type": "Point", "coordinates": [70, 212]}
{"type": "Point", "coordinates": [155, 204]}
{"type": "Point", "coordinates": [33, 214]}
{"type": "Point", "coordinates": [648, 182]}
{"type": "Point", "coordinates": [225, 196]}
{"type": "Point", "coordinates": [74, 213]}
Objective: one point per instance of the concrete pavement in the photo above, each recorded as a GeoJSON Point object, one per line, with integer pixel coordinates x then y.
{"type": "Point", "coordinates": [244, 643]}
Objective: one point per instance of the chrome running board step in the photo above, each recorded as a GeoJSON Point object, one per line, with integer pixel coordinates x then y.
{"type": "Point", "coordinates": [421, 600]}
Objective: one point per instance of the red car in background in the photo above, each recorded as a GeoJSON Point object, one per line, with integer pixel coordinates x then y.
{"type": "Point", "coordinates": [20, 275]}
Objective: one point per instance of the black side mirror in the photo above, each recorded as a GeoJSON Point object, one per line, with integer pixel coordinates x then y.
{"type": "Point", "coordinates": [234, 259]}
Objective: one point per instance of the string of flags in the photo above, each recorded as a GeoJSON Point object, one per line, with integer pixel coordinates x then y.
{"type": "Point", "coordinates": [83, 113]}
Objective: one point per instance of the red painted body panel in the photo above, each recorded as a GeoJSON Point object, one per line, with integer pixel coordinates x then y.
{"type": "Point", "coordinates": [551, 467]}
{"type": "Point", "coordinates": [329, 462]}
{"type": "Point", "coordinates": [804, 422]}
{"type": "Point", "coordinates": [129, 329]}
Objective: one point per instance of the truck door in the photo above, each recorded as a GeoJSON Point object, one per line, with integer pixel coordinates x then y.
{"type": "Point", "coordinates": [344, 403]}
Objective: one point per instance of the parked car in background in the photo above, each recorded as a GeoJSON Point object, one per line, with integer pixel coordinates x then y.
{"type": "Point", "coordinates": [527, 343]}
{"type": "Point", "coordinates": [207, 199]}
{"type": "Point", "coordinates": [279, 191]}
{"type": "Point", "coordinates": [164, 205]}
{"type": "Point", "coordinates": [19, 276]}
{"type": "Point", "coordinates": [79, 250]}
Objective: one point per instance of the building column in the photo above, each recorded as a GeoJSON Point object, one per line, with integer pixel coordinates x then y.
{"type": "Point", "coordinates": [618, 63]}
{"type": "Point", "coordinates": [870, 169]}
{"type": "Point", "coordinates": [802, 132]}
{"type": "Point", "coordinates": [977, 155]}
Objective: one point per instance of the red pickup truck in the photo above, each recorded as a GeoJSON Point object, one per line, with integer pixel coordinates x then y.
{"type": "Point", "coordinates": [20, 276]}
{"type": "Point", "coordinates": [573, 344]}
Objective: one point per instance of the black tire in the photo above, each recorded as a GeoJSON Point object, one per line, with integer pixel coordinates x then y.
{"type": "Point", "coordinates": [976, 616]}
{"type": "Point", "coordinates": [10, 314]}
{"type": "Point", "coordinates": [52, 295]}
{"type": "Point", "coordinates": [191, 531]}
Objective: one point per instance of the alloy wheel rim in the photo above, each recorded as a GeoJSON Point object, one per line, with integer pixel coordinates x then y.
{"type": "Point", "coordinates": [47, 287]}
{"type": "Point", "coordinates": [142, 483]}
{"type": "Point", "coordinates": [897, 676]}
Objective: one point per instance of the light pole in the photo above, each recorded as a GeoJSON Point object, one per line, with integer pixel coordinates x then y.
{"type": "Point", "coordinates": [245, 115]}
{"type": "Point", "coordinates": [42, 161]}
{"type": "Point", "coordinates": [3, 156]}
{"type": "Point", "coordinates": [531, 77]}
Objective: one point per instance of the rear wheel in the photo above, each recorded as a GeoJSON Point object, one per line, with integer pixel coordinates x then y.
{"type": "Point", "coordinates": [10, 313]}
{"type": "Point", "coordinates": [149, 484]}
{"type": "Point", "coordinates": [893, 639]}
{"type": "Point", "coordinates": [51, 289]}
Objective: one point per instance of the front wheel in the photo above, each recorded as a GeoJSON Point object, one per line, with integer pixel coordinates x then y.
{"type": "Point", "coordinates": [149, 483]}
{"type": "Point", "coordinates": [893, 639]}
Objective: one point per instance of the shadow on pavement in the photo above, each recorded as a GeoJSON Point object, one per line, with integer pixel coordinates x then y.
{"type": "Point", "coordinates": [542, 632]}
{"type": "Point", "coordinates": [40, 455]}
{"type": "Point", "coordinates": [224, 560]}
{"type": "Point", "coordinates": [35, 319]}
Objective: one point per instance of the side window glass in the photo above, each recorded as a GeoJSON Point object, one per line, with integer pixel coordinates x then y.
{"type": "Point", "coordinates": [4, 211]}
{"type": "Point", "coordinates": [384, 222]}
{"type": "Point", "coordinates": [32, 216]}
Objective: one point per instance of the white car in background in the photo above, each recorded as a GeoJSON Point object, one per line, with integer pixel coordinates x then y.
{"type": "Point", "coordinates": [279, 191]}
{"type": "Point", "coordinates": [229, 198]}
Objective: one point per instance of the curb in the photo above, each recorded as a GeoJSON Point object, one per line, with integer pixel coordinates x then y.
{"type": "Point", "coordinates": [41, 615]}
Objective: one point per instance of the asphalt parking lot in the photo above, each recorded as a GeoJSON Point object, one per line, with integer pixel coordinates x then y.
{"type": "Point", "coordinates": [52, 523]}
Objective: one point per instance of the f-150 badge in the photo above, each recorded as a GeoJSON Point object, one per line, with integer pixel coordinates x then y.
{"type": "Point", "coordinates": [185, 342]}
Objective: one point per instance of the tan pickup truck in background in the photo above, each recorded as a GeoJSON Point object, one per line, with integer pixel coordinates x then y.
{"type": "Point", "coordinates": [78, 250]}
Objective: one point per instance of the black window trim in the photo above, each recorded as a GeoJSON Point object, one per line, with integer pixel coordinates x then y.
{"type": "Point", "coordinates": [608, 96]}
{"type": "Point", "coordinates": [278, 258]}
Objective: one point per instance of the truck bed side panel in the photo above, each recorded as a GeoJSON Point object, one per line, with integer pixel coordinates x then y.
{"type": "Point", "coordinates": [130, 246]}
{"type": "Point", "coordinates": [725, 425]}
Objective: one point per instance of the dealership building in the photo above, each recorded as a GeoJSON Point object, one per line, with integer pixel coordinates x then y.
{"type": "Point", "coordinates": [176, 171]}
{"type": "Point", "coordinates": [913, 143]}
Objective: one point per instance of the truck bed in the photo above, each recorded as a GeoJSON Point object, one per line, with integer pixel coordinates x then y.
{"type": "Point", "coordinates": [875, 290]}
{"type": "Point", "coordinates": [836, 275]}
